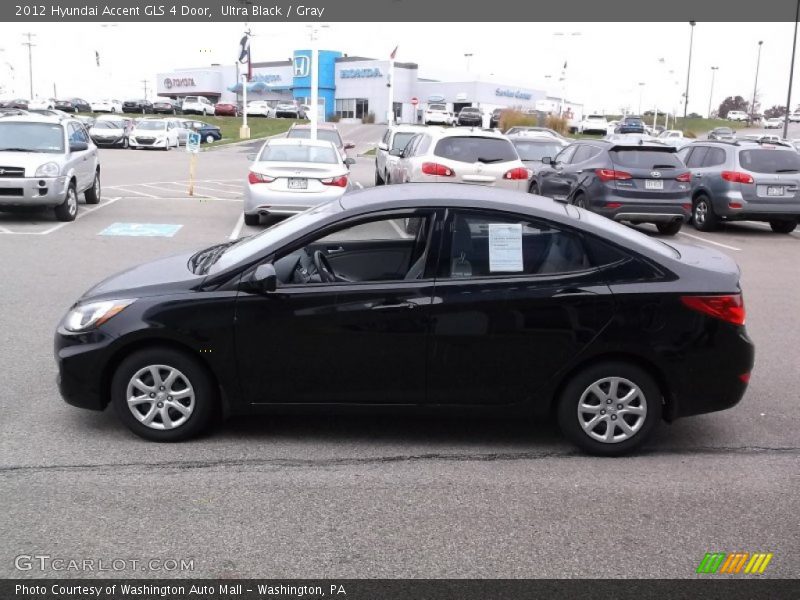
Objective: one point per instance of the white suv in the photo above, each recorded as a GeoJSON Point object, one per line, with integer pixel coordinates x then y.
{"type": "Point", "coordinates": [437, 114]}
{"type": "Point", "coordinates": [737, 115]}
{"type": "Point", "coordinates": [593, 124]}
{"type": "Point", "coordinates": [197, 105]}
{"type": "Point", "coordinates": [395, 138]}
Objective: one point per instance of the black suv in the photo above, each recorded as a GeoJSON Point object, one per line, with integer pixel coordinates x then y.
{"type": "Point", "coordinates": [471, 116]}
{"type": "Point", "coordinates": [637, 182]}
{"type": "Point", "coordinates": [630, 125]}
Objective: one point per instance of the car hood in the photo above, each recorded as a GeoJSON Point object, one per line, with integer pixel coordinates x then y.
{"type": "Point", "coordinates": [156, 278]}
{"type": "Point", "coordinates": [30, 161]}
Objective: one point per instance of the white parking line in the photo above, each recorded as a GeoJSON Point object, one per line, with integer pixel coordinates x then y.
{"type": "Point", "coordinates": [82, 214]}
{"type": "Point", "coordinates": [123, 188]}
{"type": "Point", "coordinates": [696, 237]}
{"type": "Point", "coordinates": [237, 230]}
{"type": "Point", "coordinates": [396, 227]}
{"type": "Point", "coordinates": [159, 188]}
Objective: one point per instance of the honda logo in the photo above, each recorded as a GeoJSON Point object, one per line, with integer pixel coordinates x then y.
{"type": "Point", "coordinates": [302, 66]}
{"type": "Point", "coordinates": [2, 171]}
{"type": "Point", "coordinates": [655, 173]}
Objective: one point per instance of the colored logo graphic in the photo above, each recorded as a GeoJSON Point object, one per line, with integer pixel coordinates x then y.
{"type": "Point", "coordinates": [734, 563]}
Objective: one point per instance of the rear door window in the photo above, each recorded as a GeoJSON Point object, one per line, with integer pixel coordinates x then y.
{"type": "Point", "coordinates": [472, 149]}
{"type": "Point", "coordinates": [584, 153]}
{"type": "Point", "coordinates": [767, 160]}
{"type": "Point", "coordinates": [714, 157]}
{"type": "Point", "coordinates": [697, 157]}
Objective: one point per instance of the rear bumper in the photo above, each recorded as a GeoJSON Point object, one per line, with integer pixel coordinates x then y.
{"type": "Point", "coordinates": [642, 211]}
{"type": "Point", "coordinates": [33, 191]}
{"type": "Point", "coordinates": [277, 202]}
{"type": "Point", "coordinates": [761, 209]}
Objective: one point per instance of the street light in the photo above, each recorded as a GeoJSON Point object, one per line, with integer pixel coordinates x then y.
{"type": "Point", "coordinates": [791, 74]}
{"type": "Point", "coordinates": [641, 87]}
{"type": "Point", "coordinates": [563, 79]}
{"type": "Point", "coordinates": [467, 56]}
{"type": "Point", "coordinates": [688, 70]}
{"type": "Point", "coordinates": [755, 85]}
{"type": "Point", "coordinates": [711, 94]}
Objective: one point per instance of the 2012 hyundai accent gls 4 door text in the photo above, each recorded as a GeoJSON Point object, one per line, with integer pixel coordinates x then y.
{"type": "Point", "coordinates": [490, 303]}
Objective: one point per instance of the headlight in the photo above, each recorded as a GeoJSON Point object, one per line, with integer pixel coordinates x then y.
{"type": "Point", "coordinates": [86, 316]}
{"type": "Point", "coordinates": [47, 170]}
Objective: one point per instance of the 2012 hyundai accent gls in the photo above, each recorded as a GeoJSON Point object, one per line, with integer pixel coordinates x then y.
{"type": "Point", "coordinates": [493, 303]}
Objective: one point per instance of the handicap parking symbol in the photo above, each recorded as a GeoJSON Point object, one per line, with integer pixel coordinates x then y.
{"type": "Point", "coordinates": [141, 229]}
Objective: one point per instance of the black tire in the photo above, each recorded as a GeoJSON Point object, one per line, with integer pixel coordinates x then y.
{"type": "Point", "coordinates": [703, 215]}
{"type": "Point", "coordinates": [671, 228]}
{"type": "Point", "coordinates": [783, 226]}
{"type": "Point", "coordinates": [68, 210]}
{"type": "Point", "coordinates": [252, 220]}
{"type": "Point", "coordinates": [378, 179]}
{"type": "Point", "coordinates": [92, 195]}
{"type": "Point", "coordinates": [210, 139]}
{"type": "Point", "coordinates": [569, 419]}
{"type": "Point", "coordinates": [125, 143]}
{"type": "Point", "coordinates": [534, 188]}
{"type": "Point", "coordinates": [192, 373]}
{"type": "Point", "coordinates": [579, 200]}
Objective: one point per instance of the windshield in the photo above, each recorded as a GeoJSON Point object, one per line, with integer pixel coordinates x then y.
{"type": "Point", "coordinates": [32, 137]}
{"type": "Point", "coordinates": [400, 140]}
{"type": "Point", "coordinates": [287, 153]}
{"type": "Point", "coordinates": [536, 150]}
{"type": "Point", "coordinates": [329, 135]}
{"type": "Point", "coordinates": [253, 245]}
{"type": "Point", "coordinates": [151, 125]}
{"type": "Point", "coordinates": [470, 110]}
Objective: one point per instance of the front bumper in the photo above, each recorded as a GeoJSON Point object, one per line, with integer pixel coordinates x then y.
{"type": "Point", "coordinates": [109, 142]}
{"type": "Point", "coordinates": [147, 143]}
{"type": "Point", "coordinates": [33, 191]}
{"type": "Point", "coordinates": [277, 202]}
{"type": "Point", "coordinates": [81, 361]}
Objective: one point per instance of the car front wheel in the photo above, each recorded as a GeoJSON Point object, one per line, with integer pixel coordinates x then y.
{"type": "Point", "coordinates": [68, 210]}
{"type": "Point", "coordinates": [210, 139]}
{"type": "Point", "coordinates": [163, 395]}
{"type": "Point", "coordinates": [252, 220]}
{"type": "Point", "coordinates": [610, 408]}
{"type": "Point", "coordinates": [92, 195]}
{"type": "Point", "coordinates": [783, 226]}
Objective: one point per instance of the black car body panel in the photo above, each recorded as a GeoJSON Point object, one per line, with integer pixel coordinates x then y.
{"type": "Point", "coordinates": [484, 342]}
{"type": "Point", "coordinates": [137, 106]}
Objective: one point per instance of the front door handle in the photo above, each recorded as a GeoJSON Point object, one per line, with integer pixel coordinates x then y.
{"type": "Point", "coordinates": [399, 306]}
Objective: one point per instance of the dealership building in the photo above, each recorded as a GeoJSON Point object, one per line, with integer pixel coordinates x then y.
{"type": "Point", "coordinates": [352, 87]}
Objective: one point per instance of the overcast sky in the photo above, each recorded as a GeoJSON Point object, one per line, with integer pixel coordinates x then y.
{"type": "Point", "coordinates": [605, 61]}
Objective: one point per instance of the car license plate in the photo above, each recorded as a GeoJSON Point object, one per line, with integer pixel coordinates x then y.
{"type": "Point", "coordinates": [298, 183]}
{"type": "Point", "coordinates": [653, 184]}
{"type": "Point", "coordinates": [774, 190]}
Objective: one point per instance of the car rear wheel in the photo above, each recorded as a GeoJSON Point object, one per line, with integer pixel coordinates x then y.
{"type": "Point", "coordinates": [534, 188]}
{"type": "Point", "coordinates": [703, 215]}
{"type": "Point", "coordinates": [92, 195]}
{"type": "Point", "coordinates": [671, 228]}
{"type": "Point", "coordinates": [378, 179]}
{"type": "Point", "coordinates": [163, 395]}
{"type": "Point", "coordinates": [209, 138]}
{"type": "Point", "coordinates": [252, 219]}
{"type": "Point", "coordinates": [610, 408]}
{"type": "Point", "coordinates": [783, 226]}
{"type": "Point", "coordinates": [68, 210]}
{"type": "Point", "coordinates": [580, 200]}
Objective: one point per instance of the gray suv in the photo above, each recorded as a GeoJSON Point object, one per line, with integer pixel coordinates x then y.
{"type": "Point", "coordinates": [47, 161]}
{"type": "Point", "coordinates": [741, 180]}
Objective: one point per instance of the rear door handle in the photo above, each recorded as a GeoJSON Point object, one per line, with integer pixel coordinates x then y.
{"type": "Point", "coordinates": [400, 306]}
{"type": "Point", "coordinates": [334, 250]}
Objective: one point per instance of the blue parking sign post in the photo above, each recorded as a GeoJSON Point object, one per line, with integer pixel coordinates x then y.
{"type": "Point", "coordinates": [192, 147]}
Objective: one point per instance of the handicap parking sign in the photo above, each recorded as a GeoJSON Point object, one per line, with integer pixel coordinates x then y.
{"type": "Point", "coordinates": [193, 142]}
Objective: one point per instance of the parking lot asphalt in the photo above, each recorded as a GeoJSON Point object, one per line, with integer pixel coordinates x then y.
{"type": "Point", "coordinates": [369, 496]}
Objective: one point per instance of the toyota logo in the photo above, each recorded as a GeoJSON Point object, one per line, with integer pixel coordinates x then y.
{"type": "Point", "coordinates": [655, 173]}
{"type": "Point", "coordinates": [168, 83]}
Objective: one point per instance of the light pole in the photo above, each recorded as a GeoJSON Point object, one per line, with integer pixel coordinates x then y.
{"type": "Point", "coordinates": [791, 74]}
{"type": "Point", "coordinates": [563, 79]}
{"type": "Point", "coordinates": [315, 78]}
{"type": "Point", "coordinates": [755, 84]}
{"type": "Point", "coordinates": [30, 45]}
{"type": "Point", "coordinates": [467, 56]}
{"type": "Point", "coordinates": [711, 94]}
{"type": "Point", "coordinates": [641, 87]}
{"type": "Point", "coordinates": [688, 71]}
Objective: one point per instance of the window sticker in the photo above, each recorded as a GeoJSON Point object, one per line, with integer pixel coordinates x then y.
{"type": "Point", "coordinates": [505, 247]}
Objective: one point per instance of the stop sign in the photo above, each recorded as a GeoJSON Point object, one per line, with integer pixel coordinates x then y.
{"type": "Point", "coordinates": [415, 101]}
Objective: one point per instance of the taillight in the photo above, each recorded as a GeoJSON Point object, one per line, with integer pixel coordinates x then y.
{"type": "Point", "coordinates": [430, 168]}
{"type": "Point", "coordinates": [728, 308]}
{"type": "Point", "coordinates": [612, 175]}
{"type": "Point", "coordinates": [684, 177]}
{"type": "Point", "coordinates": [737, 177]}
{"type": "Point", "coordinates": [613, 204]}
{"type": "Point", "coordinates": [254, 177]}
{"type": "Point", "coordinates": [518, 173]}
{"type": "Point", "coordinates": [340, 181]}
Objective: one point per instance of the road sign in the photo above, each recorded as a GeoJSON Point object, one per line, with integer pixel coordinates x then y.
{"type": "Point", "coordinates": [193, 142]}
{"type": "Point", "coordinates": [415, 101]}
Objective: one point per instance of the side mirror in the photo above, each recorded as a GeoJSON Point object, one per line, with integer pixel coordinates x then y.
{"type": "Point", "coordinates": [546, 160]}
{"type": "Point", "coordinates": [396, 152]}
{"type": "Point", "coordinates": [349, 145]}
{"type": "Point", "coordinates": [78, 146]}
{"type": "Point", "coordinates": [251, 157]}
{"type": "Point", "coordinates": [384, 147]}
{"type": "Point", "coordinates": [349, 161]}
{"type": "Point", "coordinates": [264, 278]}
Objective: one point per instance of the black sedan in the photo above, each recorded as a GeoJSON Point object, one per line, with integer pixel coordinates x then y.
{"type": "Point", "coordinates": [137, 106]}
{"type": "Point", "coordinates": [73, 105]}
{"type": "Point", "coordinates": [494, 304]}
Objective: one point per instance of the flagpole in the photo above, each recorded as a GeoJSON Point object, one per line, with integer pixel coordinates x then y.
{"type": "Point", "coordinates": [390, 112]}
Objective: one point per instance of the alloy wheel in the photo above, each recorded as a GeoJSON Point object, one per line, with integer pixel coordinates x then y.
{"type": "Point", "coordinates": [72, 201]}
{"type": "Point", "coordinates": [612, 410]}
{"type": "Point", "coordinates": [160, 397]}
{"type": "Point", "coordinates": [700, 212]}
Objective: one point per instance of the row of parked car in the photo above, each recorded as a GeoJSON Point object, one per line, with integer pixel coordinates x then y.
{"type": "Point", "coordinates": [624, 177]}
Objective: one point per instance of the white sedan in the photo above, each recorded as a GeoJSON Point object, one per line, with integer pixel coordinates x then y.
{"type": "Point", "coordinates": [259, 108]}
{"type": "Point", "coordinates": [673, 137]}
{"type": "Point", "coordinates": [107, 106]}
{"type": "Point", "coordinates": [154, 133]}
{"type": "Point", "coordinates": [775, 123]}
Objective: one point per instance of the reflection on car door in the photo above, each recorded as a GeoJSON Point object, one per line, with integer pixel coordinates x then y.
{"type": "Point", "coordinates": [82, 161]}
{"type": "Point", "coordinates": [500, 332]}
{"type": "Point", "coordinates": [554, 181]}
{"type": "Point", "coordinates": [360, 343]}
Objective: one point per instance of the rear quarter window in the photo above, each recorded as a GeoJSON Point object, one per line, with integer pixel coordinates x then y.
{"type": "Point", "coordinates": [767, 160]}
{"type": "Point", "coordinates": [472, 149]}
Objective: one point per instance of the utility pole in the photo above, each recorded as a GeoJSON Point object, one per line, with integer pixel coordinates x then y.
{"type": "Point", "coordinates": [30, 45]}
{"type": "Point", "coordinates": [711, 94]}
{"type": "Point", "coordinates": [755, 85]}
{"type": "Point", "coordinates": [144, 82]}
{"type": "Point", "coordinates": [791, 74]}
{"type": "Point", "coordinates": [688, 72]}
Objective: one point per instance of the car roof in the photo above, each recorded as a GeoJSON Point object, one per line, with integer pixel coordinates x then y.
{"type": "Point", "coordinates": [299, 142]}
{"type": "Point", "coordinates": [468, 131]}
{"type": "Point", "coordinates": [535, 136]}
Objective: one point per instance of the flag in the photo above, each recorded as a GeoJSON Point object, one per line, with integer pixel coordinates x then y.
{"type": "Point", "coordinates": [244, 49]}
{"type": "Point", "coordinates": [97, 57]}
{"type": "Point", "coordinates": [565, 64]}
{"type": "Point", "coordinates": [394, 53]}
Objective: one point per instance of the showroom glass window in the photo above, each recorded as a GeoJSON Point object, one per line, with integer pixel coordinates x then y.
{"type": "Point", "coordinates": [350, 108]}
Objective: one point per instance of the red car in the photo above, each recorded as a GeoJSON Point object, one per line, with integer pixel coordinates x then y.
{"type": "Point", "coordinates": [226, 109]}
